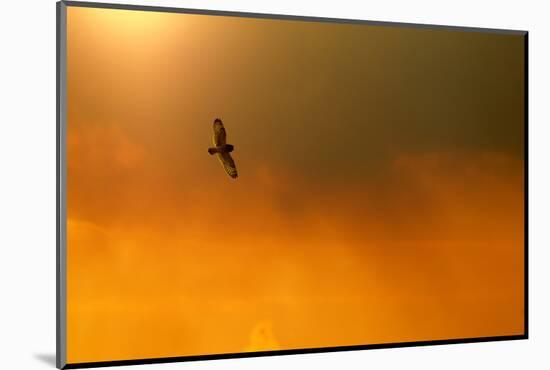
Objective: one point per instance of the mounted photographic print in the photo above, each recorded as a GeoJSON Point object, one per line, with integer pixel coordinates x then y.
{"type": "Point", "coordinates": [234, 184]}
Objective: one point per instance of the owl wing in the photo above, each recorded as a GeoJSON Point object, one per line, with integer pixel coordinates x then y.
{"type": "Point", "coordinates": [219, 137]}
{"type": "Point", "coordinates": [228, 164]}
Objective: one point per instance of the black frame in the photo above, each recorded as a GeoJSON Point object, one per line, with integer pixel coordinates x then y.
{"type": "Point", "coordinates": [61, 35]}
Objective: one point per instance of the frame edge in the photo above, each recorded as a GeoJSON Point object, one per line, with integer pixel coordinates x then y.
{"type": "Point", "coordinates": [289, 17]}
{"type": "Point", "coordinates": [526, 186]}
{"type": "Point", "coordinates": [61, 176]}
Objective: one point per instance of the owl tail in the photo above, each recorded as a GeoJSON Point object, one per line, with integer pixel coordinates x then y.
{"type": "Point", "coordinates": [212, 150]}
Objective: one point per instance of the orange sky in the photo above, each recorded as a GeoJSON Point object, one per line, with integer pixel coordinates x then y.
{"type": "Point", "coordinates": [379, 198]}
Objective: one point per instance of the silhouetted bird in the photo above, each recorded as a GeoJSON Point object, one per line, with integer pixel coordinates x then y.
{"type": "Point", "coordinates": [222, 149]}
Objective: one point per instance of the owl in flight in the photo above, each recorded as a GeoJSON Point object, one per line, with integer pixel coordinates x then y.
{"type": "Point", "coordinates": [221, 149]}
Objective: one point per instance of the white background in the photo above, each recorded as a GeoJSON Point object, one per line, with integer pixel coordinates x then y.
{"type": "Point", "coordinates": [27, 186]}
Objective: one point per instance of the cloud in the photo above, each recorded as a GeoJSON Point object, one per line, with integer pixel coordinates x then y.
{"type": "Point", "coordinates": [262, 338]}
{"type": "Point", "coordinates": [430, 249]}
